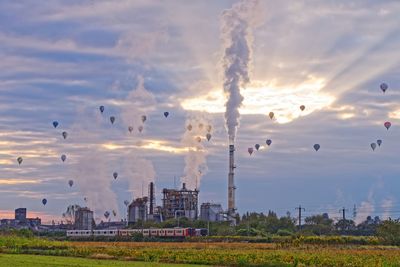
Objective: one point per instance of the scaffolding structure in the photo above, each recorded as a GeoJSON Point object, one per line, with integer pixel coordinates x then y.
{"type": "Point", "coordinates": [180, 203]}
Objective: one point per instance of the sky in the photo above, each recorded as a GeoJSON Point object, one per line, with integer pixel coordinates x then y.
{"type": "Point", "coordinates": [63, 59]}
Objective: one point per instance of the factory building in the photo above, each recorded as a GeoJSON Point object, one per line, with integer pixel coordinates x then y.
{"type": "Point", "coordinates": [84, 219]}
{"type": "Point", "coordinates": [211, 212]}
{"type": "Point", "coordinates": [180, 203]}
{"type": "Point", "coordinates": [20, 215]}
{"type": "Point", "coordinates": [137, 210]}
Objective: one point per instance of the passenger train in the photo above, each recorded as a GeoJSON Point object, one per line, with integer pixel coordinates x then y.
{"type": "Point", "coordinates": [152, 232]}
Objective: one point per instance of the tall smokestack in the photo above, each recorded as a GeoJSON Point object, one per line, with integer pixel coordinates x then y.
{"type": "Point", "coordinates": [151, 196]}
{"type": "Point", "coordinates": [237, 38]}
{"type": "Point", "coordinates": [231, 182]}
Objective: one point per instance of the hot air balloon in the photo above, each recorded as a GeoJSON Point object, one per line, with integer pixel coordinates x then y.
{"type": "Point", "coordinates": [257, 146]}
{"type": "Point", "coordinates": [44, 201]}
{"type": "Point", "coordinates": [106, 214]}
{"type": "Point", "coordinates": [114, 213]}
{"type": "Point", "coordinates": [250, 150]}
{"type": "Point", "coordinates": [101, 109]}
{"type": "Point", "coordinates": [387, 125]}
{"type": "Point", "coordinates": [317, 147]}
{"type": "Point", "coordinates": [166, 113]}
{"type": "Point", "coordinates": [65, 134]}
{"type": "Point", "coordinates": [209, 127]}
{"type": "Point", "coordinates": [271, 115]}
{"type": "Point", "coordinates": [269, 142]}
{"type": "Point", "coordinates": [85, 199]}
{"type": "Point", "coordinates": [189, 127]}
{"type": "Point", "coordinates": [140, 128]}
{"type": "Point", "coordinates": [208, 136]}
{"type": "Point", "coordinates": [112, 119]}
{"type": "Point", "coordinates": [373, 146]}
{"type": "Point", "coordinates": [144, 118]}
{"type": "Point", "coordinates": [63, 157]}
{"type": "Point", "coordinates": [198, 139]}
{"type": "Point", "coordinates": [302, 107]}
{"type": "Point", "coordinates": [379, 142]}
{"type": "Point", "coordinates": [71, 183]}
{"type": "Point", "coordinates": [19, 159]}
{"type": "Point", "coordinates": [201, 126]}
{"type": "Point", "coordinates": [55, 124]}
{"type": "Point", "coordinates": [126, 202]}
{"type": "Point", "coordinates": [130, 129]}
{"type": "Point", "coordinates": [384, 87]}
{"type": "Point", "coordinates": [115, 175]}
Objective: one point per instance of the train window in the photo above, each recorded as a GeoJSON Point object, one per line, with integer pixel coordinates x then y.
{"type": "Point", "coordinates": [105, 232]}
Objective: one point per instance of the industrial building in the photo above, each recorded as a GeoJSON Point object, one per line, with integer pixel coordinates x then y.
{"type": "Point", "coordinates": [84, 219]}
{"type": "Point", "coordinates": [137, 210]}
{"type": "Point", "coordinates": [211, 212]}
{"type": "Point", "coordinates": [20, 215]}
{"type": "Point", "coordinates": [180, 203]}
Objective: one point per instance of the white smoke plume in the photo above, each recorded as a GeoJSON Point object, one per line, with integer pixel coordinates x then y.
{"type": "Point", "coordinates": [195, 139]}
{"type": "Point", "coordinates": [138, 103]}
{"type": "Point", "coordinates": [140, 171]}
{"type": "Point", "coordinates": [91, 173]}
{"type": "Point", "coordinates": [387, 205]}
{"type": "Point", "coordinates": [237, 23]}
{"type": "Point", "coordinates": [366, 208]}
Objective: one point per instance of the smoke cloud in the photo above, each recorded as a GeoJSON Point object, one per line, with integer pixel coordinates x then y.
{"type": "Point", "coordinates": [139, 102]}
{"type": "Point", "coordinates": [195, 139]}
{"type": "Point", "coordinates": [237, 38]}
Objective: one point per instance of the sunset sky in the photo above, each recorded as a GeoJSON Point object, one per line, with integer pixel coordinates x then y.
{"type": "Point", "coordinates": [62, 59]}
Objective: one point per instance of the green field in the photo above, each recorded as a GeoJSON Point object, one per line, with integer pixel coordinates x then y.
{"type": "Point", "coordinates": [322, 251]}
{"type": "Point", "coordinates": [7, 260]}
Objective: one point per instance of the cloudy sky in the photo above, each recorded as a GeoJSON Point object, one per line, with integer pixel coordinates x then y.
{"type": "Point", "coordinates": [62, 59]}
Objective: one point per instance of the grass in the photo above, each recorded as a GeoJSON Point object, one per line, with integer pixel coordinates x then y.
{"type": "Point", "coordinates": [209, 253]}
{"type": "Point", "coordinates": [15, 260]}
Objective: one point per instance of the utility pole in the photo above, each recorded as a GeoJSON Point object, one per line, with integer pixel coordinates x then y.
{"type": "Point", "coordinates": [300, 209]}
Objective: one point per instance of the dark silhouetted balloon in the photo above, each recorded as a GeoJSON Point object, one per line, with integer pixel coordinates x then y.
{"type": "Point", "coordinates": [317, 147]}
{"type": "Point", "coordinates": [65, 134]}
{"type": "Point", "coordinates": [106, 214]}
{"type": "Point", "coordinates": [112, 119]}
{"type": "Point", "coordinates": [198, 139]}
{"type": "Point", "coordinates": [208, 136]}
{"type": "Point", "coordinates": [166, 113]}
{"type": "Point", "coordinates": [130, 129]}
{"type": "Point", "coordinates": [144, 118]}
{"type": "Point", "coordinates": [302, 107]}
{"type": "Point", "coordinates": [63, 157]}
{"type": "Point", "coordinates": [115, 175]}
{"type": "Point", "coordinates": [269, 142]}
{"type": "Point", "coordinates": [19, 159]}
{"type": "Point", "coordinates": [373, 146]}
{"type": "Point", "coordinates": [384, 87]}
{"type": "Point", "coordinates": [126, 202]}
{"type": "Point", "coordinates": [201, 126]}
{"type": "Point", "coordinates": [379, 142]}
{"type": "Point", "coordinates": [387, 125]}
{"type": "Point", "coordinates": [101, 109]}
{"type": "Point", "coordinates": [257, 146]}
{"type": "Point", "coordinates": [55, 124]}
{"type": "Point", "coordinates": [140, 128]}
{"type": "Point", "coordinates": [44, 201]}
{"type": "Point", "coordinates": [189, 127]}
{"type": "Point", "coordinates": [85, 199]}
{"type": "Point", "coordinates": [209, 127]}
{"type": "Point", "coordinates": [271, 115]}
{"type": "Point", "coordinates": [250, 150]}
{"type": "Point", "coordinates": [114, 213]}
{"type": "Point", "coordinates": [71, 183]}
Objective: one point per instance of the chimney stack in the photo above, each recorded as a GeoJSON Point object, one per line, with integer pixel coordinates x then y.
{"type": "Point", "coordinates": [231, 182]}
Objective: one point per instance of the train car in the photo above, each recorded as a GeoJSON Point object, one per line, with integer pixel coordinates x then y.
{"type": "Point", "coordinates": [105, 232]}
{"type": "Point", "coordinates": [79, 233]}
